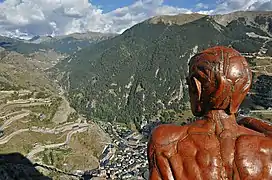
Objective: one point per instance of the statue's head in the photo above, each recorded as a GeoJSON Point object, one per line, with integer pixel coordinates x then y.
{"type": "Point", "coordinates": [219, 79]}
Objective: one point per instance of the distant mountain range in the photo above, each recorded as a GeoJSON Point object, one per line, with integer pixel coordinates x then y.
{"type": "Point", "coordinates": [67, 44]}
{"type": "Point", "coordinates": [23, 61]}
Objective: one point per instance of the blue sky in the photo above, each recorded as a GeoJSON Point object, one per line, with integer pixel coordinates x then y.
{"type": "Point", "coordinates": [188, 3]}
{"type": "Point", "coordinates": [109, 5]}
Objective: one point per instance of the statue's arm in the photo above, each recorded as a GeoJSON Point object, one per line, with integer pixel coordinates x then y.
{"type": "Point", "coordinates": [258, 125]}
{"type": "Point", "coordinates": [159, 167]}
{"type": "Point", "coordinates": [161, 147]}
{"type": "Point", "coordinates": [154, 173]}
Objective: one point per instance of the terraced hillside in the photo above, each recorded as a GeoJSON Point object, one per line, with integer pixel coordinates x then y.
{"type": "Point", "coordinates": [39, 127]}
{"type": "Point", "coordinates": [36, 120]}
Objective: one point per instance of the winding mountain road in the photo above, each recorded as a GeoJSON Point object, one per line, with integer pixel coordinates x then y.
{"type": "Point", "coordinates": [40, 148]}
{"type": "Point", "coordinates": [62, 127]}
{"type": "Point", "coordinates": [60, 117]}
{"type": "Point", "coordinates": [14, 118]}
{"type": "Point", "coordinates": [6, 139]}
{"type": "Point", "coordinates": [71, 128]}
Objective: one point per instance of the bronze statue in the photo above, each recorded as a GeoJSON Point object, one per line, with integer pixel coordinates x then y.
{"type": "Point", "coordinates": [214, 147]}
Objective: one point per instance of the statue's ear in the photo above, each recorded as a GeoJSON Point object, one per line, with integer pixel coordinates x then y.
{"type": "Point", "coordinates": [197, 85]}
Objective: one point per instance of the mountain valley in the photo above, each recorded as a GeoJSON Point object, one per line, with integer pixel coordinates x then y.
{"type": "Point", "coordinates": [82, 105]}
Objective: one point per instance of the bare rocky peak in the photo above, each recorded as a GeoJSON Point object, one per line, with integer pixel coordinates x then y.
{"type": "Point", "coordinates": [78, 36]}
{"type": "Point", "coordinates": [37, 39]}
{"type": "Point", "coordinates": [249, 16]}
{"type": "Point", "coordinates": [224, 19]}
{"type": "Point", "coordinates": [179, 19]}
{"type": "Point", "coordinates": [86, 35]}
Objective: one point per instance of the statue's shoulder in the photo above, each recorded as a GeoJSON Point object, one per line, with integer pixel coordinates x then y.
{"type": "Point", "coordinates": [167, 133]}
{"type": "Point", "coordinates": [164, 139]}
{"type": "Point", "coordinates": [254, 147]}
{"type": "Point", "coordinates": [257, 125]}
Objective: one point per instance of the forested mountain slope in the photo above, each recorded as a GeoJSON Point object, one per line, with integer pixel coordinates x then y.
{"type": "Point", "coordinates": [135, 76]}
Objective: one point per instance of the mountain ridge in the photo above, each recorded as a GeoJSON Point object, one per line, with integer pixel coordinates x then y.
{"type": "Point", "coordinates": [139, 74]}
{"type": "Point", "coordinates": [65, 44]}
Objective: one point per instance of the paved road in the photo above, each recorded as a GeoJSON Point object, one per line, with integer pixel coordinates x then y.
{"type": "Point", "coordinates": [72, 127]}
{"type": "Point", "coordinates": [12, 114]}
{"type": "Point", "coordinates": [14, 118]}
{"type": "Point", "coordinates": [7, 138]}
{"type": "Point", "coordinates": [21, 105]}
{"type": "Point", "coordinates": [40, 148]}
{"type": "Point", "coordinates": [60, 116]}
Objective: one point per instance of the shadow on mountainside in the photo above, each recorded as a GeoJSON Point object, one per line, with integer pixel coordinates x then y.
{"type": "Point", "coordinates": [16, 166]}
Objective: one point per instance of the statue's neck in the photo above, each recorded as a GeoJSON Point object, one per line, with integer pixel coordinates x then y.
{"type": "Point", "coordinates": [220, 120]}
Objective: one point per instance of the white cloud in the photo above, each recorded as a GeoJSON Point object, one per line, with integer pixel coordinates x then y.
{"type": "Point", "coordinates": [226, 6]}
{"type": "Point", "coordinates": [202, 6]}
{"type": "Point", "coordinates": [54, 17]}
{"type": "Point", "coordinates": [262, 6]}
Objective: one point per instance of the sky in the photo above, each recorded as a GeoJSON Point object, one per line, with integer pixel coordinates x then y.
{"type": "Point", "coordinates": [28, 18]}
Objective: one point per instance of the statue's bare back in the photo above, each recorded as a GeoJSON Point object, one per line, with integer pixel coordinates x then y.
{"type": "Point", "coordinates": [197, 152]}
{"type": "Point", "coordinates": [215, 147]}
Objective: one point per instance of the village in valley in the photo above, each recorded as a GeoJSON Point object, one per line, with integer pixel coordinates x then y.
{"type": "Point", "coordinates": [125, 157]}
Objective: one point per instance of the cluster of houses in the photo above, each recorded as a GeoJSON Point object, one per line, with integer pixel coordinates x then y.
{"type": "Point", "coordinates": [125, 157]}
